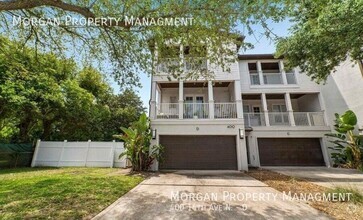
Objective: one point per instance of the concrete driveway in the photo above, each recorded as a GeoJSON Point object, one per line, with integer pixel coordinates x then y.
{"type": "Point", "coordinates": [206, 195]}
{"type": "Point", "coordinates": [324, 176]}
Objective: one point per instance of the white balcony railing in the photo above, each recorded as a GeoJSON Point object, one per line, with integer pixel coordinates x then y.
{"type": "Point", "coordinates": [196, 110]}
{"type": "Point", "coordinates": [309, 118]}
{"type": "Point", "coordinates": [167, 111]}
{"type": "Point", "coordinates": [278, 118]}
{"type": "Point", "coordinates": [272, 78]}
{"type": "Point", "coordinates": [225, 110]}
{"type": "Point", "coordinates": [254, 119]}
{"type": "Point", "coordinates": [282, 119]}
{"type": "Point", "coordinates": [291, 79]}
{"type": "Point", "coordinates": [189, 64]}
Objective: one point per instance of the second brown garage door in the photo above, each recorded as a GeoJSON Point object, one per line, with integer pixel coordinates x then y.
{"type": "Point", "coordinates": [290, 152]}
{"type": "Point", "coordinates": [199, 152]}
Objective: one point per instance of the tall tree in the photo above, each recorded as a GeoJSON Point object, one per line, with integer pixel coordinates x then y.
{"type": "Point", "coordinates": [324, 34]}
{"type": "Point", "coordinates": [127, 44]}
{"type": "Point", "coordinates": [42, 96]}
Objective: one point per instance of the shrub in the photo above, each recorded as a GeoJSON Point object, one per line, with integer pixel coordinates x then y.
{"type": "Point", "coordinates": [138, 148]}
{"type": "Point", "coordinates": [348, 145]}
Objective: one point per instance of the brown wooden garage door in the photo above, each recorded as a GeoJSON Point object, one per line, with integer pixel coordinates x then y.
{"type": "Point", "coordinates": [290, 152]}
{"type": "Point", "coordinates": [199, 152]}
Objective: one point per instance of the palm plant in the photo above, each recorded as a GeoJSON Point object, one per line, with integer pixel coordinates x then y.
{"type": "Point", "coordinates": [137, 140]}
{"type": "Point", "coordinates": [348, 149]}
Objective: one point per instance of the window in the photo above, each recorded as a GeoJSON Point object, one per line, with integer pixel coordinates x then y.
{"type": "Point", "coordinates": [246, 108]}
{"type": "Point", "coordinates": [256, 110]}
{"type": "Point", "coordinates": [199, 99]}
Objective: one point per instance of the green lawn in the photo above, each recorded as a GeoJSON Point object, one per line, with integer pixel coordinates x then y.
{"type": "Point", "coordinates": [63, 193]}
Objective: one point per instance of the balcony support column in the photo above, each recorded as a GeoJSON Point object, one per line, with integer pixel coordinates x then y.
{"type": "Point", "coordinates": [153, 101]}
{"type": "Point", "coordinates": [238, 98]}
{"type": "Point", "coordinates": [260, 73]}
{"type": "Point", "coordinates": [265, 110]}
{"type": "Point", "coordinates": [181, 99]}
{"type": "Point", "coordinates": [289, 109]}
{"type": "Point", "coordinates": [210, 99]}
{"type": "Point", "coordinates": [283, 72]}
{"type": "Point", "coordinates": [322, 108]}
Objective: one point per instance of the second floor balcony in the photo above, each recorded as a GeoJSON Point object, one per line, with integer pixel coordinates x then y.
{"type": "Point", "coordinates": [195, 111]}
{"type": "Point", "coordinates": [273, 109]}
{"type": "Point", "coordinates": [283, 119]}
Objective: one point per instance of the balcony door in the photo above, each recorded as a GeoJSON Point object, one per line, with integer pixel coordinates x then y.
{"type": "Point", "coordinates": [194, 107]}
{"type": "Point", "coordinates": [280, 116]}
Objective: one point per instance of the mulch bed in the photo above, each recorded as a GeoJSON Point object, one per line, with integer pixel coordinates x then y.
{"type": "Point", "coordinates": [284, 183]}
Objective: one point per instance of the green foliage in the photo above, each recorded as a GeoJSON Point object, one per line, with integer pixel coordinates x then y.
{"type": "Point", "coordinates": [348, 149]}
{"type": "Point", "coordinates": [42, 96]}
{"type": "Point", "coordinates": [137, 145]}
{"type": "Point", "coordinates": [127, 46]}
{"type": "Point", "coordinates": [324, 34]}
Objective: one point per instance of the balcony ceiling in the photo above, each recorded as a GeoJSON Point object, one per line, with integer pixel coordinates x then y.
{"type": "Point", "coordinates": [251, 96]}
{"type": "Point", "coordinates": [257, 57]}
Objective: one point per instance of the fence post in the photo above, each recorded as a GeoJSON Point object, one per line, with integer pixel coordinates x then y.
{"type": "Point", "coordinates": [88, 146]}
{"type": "Point", "coordinates": [113, 153]}
{"type": "Point", "coordinates": [61, 154]}
{"type": "Point", "coordinates": [35, 153]}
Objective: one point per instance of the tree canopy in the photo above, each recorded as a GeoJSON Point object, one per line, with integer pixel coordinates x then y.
{"type": "Point", "coordinates": [324, 34]}
{"type": "Point", "coordinates": [42, 96]}
{"type": "Point", "coordinates": [127, 45]}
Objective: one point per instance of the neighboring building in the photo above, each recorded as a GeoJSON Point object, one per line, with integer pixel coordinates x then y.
{"type": "Point", "coordinates": [348, 78]}
{"type": "Point", "coordinates": [257, 114]}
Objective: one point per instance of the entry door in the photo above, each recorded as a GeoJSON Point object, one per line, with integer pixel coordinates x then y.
{"type": "Point", "coordinates": [256, 118]}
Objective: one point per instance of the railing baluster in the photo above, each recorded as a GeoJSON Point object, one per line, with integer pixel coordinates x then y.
{"type": "Point", "coordinates": [309, 120]}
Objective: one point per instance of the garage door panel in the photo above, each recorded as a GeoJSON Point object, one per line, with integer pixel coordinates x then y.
{"type": "Point", "coordinates": [290, 152]}
{"type": "Point", "coordinates": [199, 152]}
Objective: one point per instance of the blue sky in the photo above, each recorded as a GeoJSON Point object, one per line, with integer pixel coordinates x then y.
{"type": "Point", "coordinates": [261, 45]}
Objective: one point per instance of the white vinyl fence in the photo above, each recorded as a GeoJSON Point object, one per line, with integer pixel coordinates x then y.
{"type": "Point", "coordinates": [78, 154]}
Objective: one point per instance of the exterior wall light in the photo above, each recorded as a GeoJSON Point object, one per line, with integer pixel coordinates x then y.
{"type": "Point", "coordinates": [241, 134]}
{"type": "Point", "coordinates": [153, 133]}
